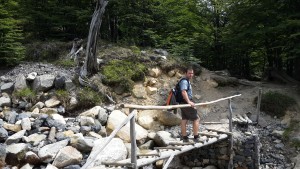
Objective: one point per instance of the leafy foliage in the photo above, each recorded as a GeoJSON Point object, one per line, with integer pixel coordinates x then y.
{"type": "Point", "coordinates": [123, 73]}
{"type": "Point", "coordinates": [246, 37]}
{"type": "Point", "coordinates": [88, 98]}
{"type": "Point", "coordinates": [44, 51]}
{"type": "Point", "coordinates": [275, 103]}
{"type": "Point", "coordinates": [11, 48]}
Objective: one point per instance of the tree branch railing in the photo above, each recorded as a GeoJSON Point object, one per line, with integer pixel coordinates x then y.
{"type": "Point", "coordinates": [141, 107]}
{"type": "Point", "coordinates": [131, 117]}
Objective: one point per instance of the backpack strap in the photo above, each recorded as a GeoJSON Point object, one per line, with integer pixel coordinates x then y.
{"type": "Point", "coordinates": [178, 84]}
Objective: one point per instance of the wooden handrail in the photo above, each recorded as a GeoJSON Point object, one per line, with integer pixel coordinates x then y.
{"type": "Point", "coordinates": [141, 107]}
{"type": "Point", "coordinates": [131, 117]}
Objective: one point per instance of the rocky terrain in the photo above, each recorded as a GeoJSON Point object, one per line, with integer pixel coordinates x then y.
{"type": "Point", "coordinates": [39, 135]}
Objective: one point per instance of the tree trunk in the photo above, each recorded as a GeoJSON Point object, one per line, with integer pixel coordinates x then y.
{"type": "Point", "coordinates": [90, 66]}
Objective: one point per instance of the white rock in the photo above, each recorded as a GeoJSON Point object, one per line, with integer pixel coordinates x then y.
{"type": "Point", "coordinates": [67, 156]}
{"type": "Point", "coordinates": [116, 118]}
{"type": "Point", "coordinates": [114, 151]}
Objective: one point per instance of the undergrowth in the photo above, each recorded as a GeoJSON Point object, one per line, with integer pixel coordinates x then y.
{"type": "Point", "coordinates": [87, 97]}
{"type": "Point", "coordinates": [26, 94]}
{"type": "Point", "coordinates": [288, 134]}
{"type": "Point", "coordinates": [275, 103]}
{"type": "Point", "coordinates": [63, 96]}
{"type": "Point", "coordinates": [123, 73]}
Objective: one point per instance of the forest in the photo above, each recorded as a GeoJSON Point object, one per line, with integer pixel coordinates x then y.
{"type": "Point", "coordinates": [249, 38]}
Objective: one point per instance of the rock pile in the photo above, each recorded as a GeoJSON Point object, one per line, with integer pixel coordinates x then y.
{"type": "Point", "coordinates": [38, 135]}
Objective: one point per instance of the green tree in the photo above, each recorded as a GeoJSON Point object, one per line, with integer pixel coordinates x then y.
{"type": "Point", "coordinates": [11, 48]}
{"type": "Point", "coordinates": [58, 19]}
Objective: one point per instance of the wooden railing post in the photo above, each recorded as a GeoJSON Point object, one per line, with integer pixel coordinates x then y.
{"type": "Point", "coordinates": [133, 140]}
{"type": "Point", "coordinates": [230, 164]}
{"type": "Point", "coordinates": [258, 105]}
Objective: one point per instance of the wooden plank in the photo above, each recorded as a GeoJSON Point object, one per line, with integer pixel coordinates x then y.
{"type": "Point", "coordinates": [180, 143]}
{"type": "Point", "coordinates": [133, 140]}
{"type": "Point", "coordinates": [208, 123]}
{"type": "Point", "coordinates": [230, 163]}
{"type": "Point", "coordinates": [148, 154]}
{"type": "Point", "coordinates": [167, 148]}
{"type": "Point", "coordinates": [258, 105]}
{"type": "Point", "coordinates": [241, 118]}
{"type": "Point", "coordinates": [208, 134]}
{"type": "Point", "coordinates": [169, 161]}
{"type": "Point", "coordinates": [166, 154]}
{"type": "Point", "coordinates": [247, 118]}
{"type": "Point", "coordinates": [119, 164]}
{"type": "Point", "coordinates": [219, 131]}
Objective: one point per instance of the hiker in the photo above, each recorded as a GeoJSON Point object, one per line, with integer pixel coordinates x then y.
{"type": "Point", "coordinates": [188, 113]}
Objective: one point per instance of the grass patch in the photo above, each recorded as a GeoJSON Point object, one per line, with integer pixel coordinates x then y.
{"type": "Point", "coordinates": [135, 50]}
{"type": "Point", "coordinates": [66, 63]}
{"type": "Point", "coordinates": [87, 97]}
{"type": "Point", "coordinates": [63, 96]}
{"type": "Point", "coordinates": [275, 103]}
{"type": "Point", "coordinates": [26, 94]}
{"type": "Point", "coordinates": [123, 73]}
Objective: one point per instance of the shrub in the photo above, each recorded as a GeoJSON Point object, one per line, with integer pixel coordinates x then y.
{"type": "Point", "coordinates": [66, 63]}
{"type": "Point", "coordinates": [88, 98]}
{"type": "Point", "coordinates": [63, 96]}
{"type": "Point", "coordinates": [26, 94]}
{"type": "Point", "coordinates": [275, 103]}
{"type": "Point", "coordinates": [44, 51]}
{"type": "Point", "coordinates": [123, 73]}
{"type": "Point", "coordinates": [135, 50]}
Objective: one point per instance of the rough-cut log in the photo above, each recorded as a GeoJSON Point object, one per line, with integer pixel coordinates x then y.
{"type": "Point", "coordinates": [90, 66]}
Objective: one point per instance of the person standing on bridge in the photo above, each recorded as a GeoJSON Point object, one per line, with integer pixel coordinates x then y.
{"type": "Point", "coordinates": [188, 113]}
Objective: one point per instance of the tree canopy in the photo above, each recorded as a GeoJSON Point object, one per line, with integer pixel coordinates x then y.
{"type": "Point", "coordinates": [246, 37]}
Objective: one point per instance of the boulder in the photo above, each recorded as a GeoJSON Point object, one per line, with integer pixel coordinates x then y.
{"type": "Point", "coordinates": [116, 118]}
{"type": "Point", "coordinates": [67, 156]}
{"type": "Point", "coordinates": [114, 151]}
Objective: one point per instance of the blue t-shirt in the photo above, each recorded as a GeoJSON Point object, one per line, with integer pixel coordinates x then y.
{"type": "Point", "coordinates": [184, 86]}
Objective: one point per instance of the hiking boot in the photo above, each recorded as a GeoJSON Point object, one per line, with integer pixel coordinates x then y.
{"type": "Point", "coordinates": [185, 139]}
{"type": "Point", "coordinates": [196, 139]}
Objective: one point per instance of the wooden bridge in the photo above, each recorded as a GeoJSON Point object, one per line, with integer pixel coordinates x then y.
{"type": "Point", "coordinates": [208, 137]}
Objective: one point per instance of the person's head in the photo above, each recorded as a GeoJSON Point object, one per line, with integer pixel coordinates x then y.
{"type": "Point", "coordinates": [189, 73]}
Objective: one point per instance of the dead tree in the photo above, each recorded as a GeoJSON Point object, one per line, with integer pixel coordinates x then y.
{"type": "Point", "coordinates": [90, 66]}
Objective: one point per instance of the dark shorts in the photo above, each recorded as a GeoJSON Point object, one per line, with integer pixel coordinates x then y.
{"type": "Point", "coordinates": [189, 113]}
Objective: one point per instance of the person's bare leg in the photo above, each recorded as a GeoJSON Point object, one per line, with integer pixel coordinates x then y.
{"type": "Point", "coordinates": [196, 127]}
{"type": "Point", "coordinates": [183, 127]}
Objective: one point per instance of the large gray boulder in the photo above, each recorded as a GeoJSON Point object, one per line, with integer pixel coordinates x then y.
{"type": "Point", "coordinates": [43, 82]}
{"type": "Point", "coordinates": [48, 152]}
{"type": "Point", "coordinates": [20, 83]}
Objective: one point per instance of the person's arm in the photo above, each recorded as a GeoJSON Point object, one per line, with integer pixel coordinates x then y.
{"type": "Point", "coordinates": [186, 98]}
